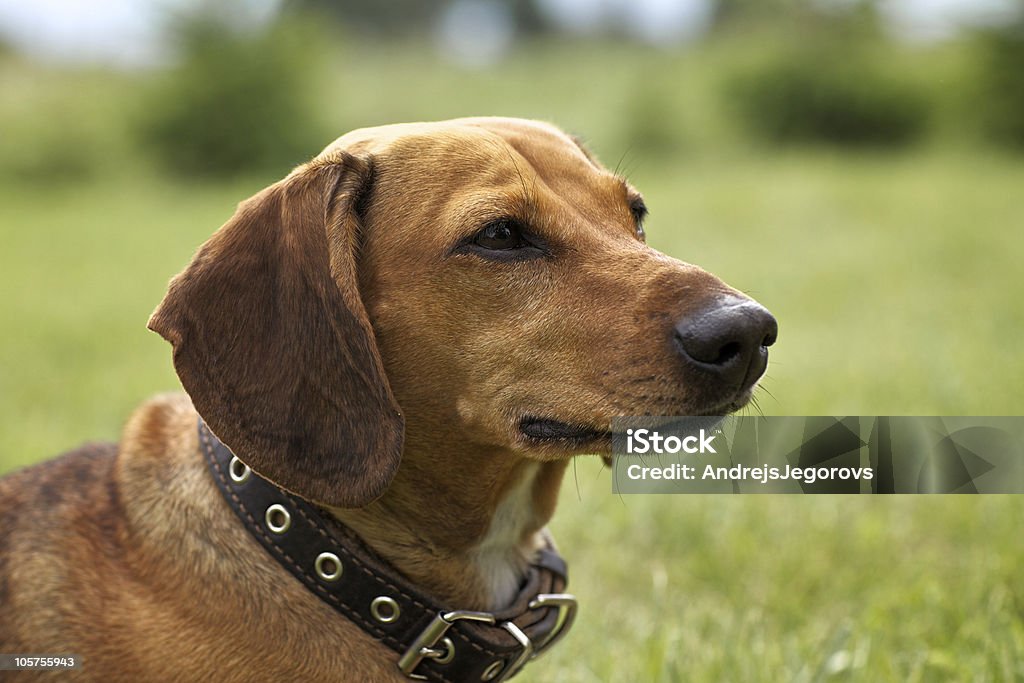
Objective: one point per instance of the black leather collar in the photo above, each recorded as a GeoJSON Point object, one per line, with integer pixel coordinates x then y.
{"type": "Point", "coordinates": [433, 642]}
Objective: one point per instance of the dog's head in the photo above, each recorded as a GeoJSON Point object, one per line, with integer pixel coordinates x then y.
{"type": "Point", "coordinates": [480, 279]}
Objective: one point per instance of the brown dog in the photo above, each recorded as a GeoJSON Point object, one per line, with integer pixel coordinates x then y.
{"type": "Point", "coordinates": [415, 330]}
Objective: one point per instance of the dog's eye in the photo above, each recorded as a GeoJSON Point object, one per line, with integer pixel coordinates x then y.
{"type": "Point", "coordinates": [639, 211]}
{"type": "Point", "coordinates": [501, 235]}
{"type": "Point", "coordinates": [504, 240]}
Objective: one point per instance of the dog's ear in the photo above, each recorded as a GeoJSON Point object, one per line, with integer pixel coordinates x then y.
{"type": "Point", "coordinates": [273, 344]}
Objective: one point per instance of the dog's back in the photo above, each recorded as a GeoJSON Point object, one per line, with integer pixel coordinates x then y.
{"type": "Point", "coordinates": [44, 507]}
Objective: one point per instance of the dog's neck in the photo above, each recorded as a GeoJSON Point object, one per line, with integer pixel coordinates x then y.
{"type": "Point", "coordinates": [462, 527]}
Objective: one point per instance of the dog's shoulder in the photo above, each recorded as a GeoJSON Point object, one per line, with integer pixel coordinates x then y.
{"type": "Point", "coordinates": [75, 487]}
{"type": "Point", "coordinates": [71, 524]}
{"type": "Point", "coordinates": [161, 432]}
{"type": "Point", "coordinates": [159, 468]}
{"type": "Point", "coordinates": [57, 482]}
{"type": "Point", "coordinates": [35, 496]}
{"type": "Point", "coordinates": [98, 481]}
{"type": "Point", "coordinates": [53, 511]}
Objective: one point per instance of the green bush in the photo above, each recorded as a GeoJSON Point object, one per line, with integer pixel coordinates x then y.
{"type": "Point", "coordinates": [651, 124]}
{"type": "Point", "coordinates": [46, 154]}
{"type": "Point", "coordinates": [1000, 80]}
{"type": "Point", "coordinates": [828, 96]}
{"type": "Point", "coordinates": [52, 133]}
{"type": "Point", "coordinates": [239, 101]}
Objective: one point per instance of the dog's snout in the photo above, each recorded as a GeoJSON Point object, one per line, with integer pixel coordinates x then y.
{"type": "Point", "coordinates": [730, 340]}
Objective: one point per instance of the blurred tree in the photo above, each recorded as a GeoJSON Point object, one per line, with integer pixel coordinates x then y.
{"type": "Point", "coordinates": [407, 16]}
{"type": "Point", "coordinates": [529, 19]}
{"type": "Point", "coordinates": [651, 124]}
{"type": "Point", "coordinates": [733, 12]}
{"type": "Point", "coordinates": [847, 17]}
{"type": "Point", "coordinates": [830, 86]}
{"type": "Point", "coordinates": [1000, 81]}
{"type": "Point", "coordinates": [240, 100]}
{"type": "Point", "coordinates": [813, 93]}
{"type": "Point", "coordinates": [391, 16]}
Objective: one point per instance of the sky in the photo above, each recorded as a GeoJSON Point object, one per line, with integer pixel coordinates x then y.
{"type": "Point", "coordinates": [126, 32]}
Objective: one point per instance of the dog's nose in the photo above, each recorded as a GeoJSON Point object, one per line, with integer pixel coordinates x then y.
{"type": "Point", "coordinates": [730, 340]}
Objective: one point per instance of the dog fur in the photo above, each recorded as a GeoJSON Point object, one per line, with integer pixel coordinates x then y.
{"type": "Point", "coordinates": [345, 335]}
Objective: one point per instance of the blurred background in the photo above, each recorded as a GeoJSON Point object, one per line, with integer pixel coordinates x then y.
{"type": "Point", "coordinates": [856, 165]}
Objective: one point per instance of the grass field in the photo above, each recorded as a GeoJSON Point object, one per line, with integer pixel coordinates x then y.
{"type": "Point", "coordinates": [897, 283]}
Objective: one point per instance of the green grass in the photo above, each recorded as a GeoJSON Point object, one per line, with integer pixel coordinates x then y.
{"type": "Point", "coordinates": [82, 270]}
{"type": "Point", "coordinates": [710, 588]}
{"type": "Point", "coordinates": [896, 281]}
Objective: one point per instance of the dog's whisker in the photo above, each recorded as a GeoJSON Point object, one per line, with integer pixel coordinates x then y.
{"type": "Point", "coordinates": [576, 479]}
{"type": "Point", "coordinates": [765, 390]}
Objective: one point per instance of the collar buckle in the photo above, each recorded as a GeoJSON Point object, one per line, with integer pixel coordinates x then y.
{"type": "Point", "coordinates": [566, 604]}
{"type": "Point", "coordinates": [423, 646]}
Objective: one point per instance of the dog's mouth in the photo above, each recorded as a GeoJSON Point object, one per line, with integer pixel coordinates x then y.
{"type": "Point", "coordinates": [738, 402]}
{"type": "Point", "coordinates": [548, 430]}
{"type": "Point", "coordinates": [545, 430]}
{"type": "Point", "coordinates": [542, 430]}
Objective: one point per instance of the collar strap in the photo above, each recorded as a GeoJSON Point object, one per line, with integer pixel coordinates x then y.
{"type": "Point", "coordinates": [433, 642]}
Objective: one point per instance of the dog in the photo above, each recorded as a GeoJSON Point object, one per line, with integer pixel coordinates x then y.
{"type": "Point", "coordinates": [411, 333]}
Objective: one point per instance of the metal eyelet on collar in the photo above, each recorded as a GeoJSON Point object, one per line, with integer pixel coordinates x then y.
{"type": "Point", "coordinates": [385, 609]}
{"type": "Point", "coordinates": [238, 470]}
{"type": "Point", "coordinates": [491, 672]}
{"type": "Point", "coordinates": [278, 519]}
{"type": "Point", "coordinates": [328, 567]}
